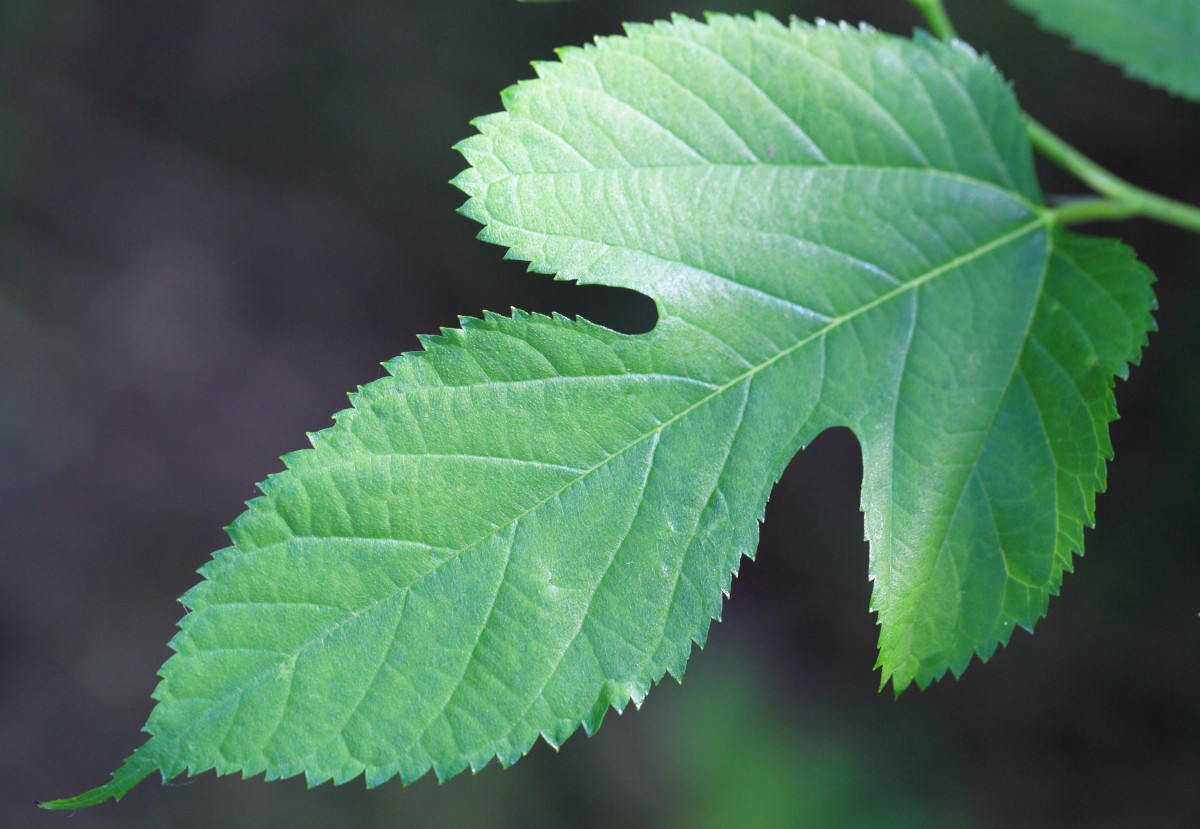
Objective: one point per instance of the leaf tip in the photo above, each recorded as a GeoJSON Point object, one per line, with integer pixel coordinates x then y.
{"type": "Point", "coordinates": [134, 770]}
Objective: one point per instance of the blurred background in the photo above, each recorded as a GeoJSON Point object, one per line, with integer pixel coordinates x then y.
{"type": "Point", "coordinates": [218, 217]}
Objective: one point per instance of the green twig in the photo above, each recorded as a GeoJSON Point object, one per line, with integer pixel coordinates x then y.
{"type": "Point", "coordinates": [1123, 199]}
{"type": "Point", "coordinates": [935, 15]}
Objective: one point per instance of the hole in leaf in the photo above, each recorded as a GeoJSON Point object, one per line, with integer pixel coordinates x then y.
{"type": "Point", "coordinates": [620, 309]}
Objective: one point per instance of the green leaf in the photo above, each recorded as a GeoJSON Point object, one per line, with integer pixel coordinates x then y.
{"type": "Point", "coordinates": [1157, 41]}
{"type": "Point", "coordinates": [535, 518]}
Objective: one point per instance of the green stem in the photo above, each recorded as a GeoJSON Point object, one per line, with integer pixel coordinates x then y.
{"type": "Point", "coordinates": [1090, 210]}
{"type": "Point", "coordinates": [935, 15]}
{"type": "Point", "coordinates": [1123, 199]}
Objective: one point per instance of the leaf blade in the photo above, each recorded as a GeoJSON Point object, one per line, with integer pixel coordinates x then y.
{"type": "Point", "coordinates": [534, 519]}
{"type": "Point", "coordinates": [1155, 41]}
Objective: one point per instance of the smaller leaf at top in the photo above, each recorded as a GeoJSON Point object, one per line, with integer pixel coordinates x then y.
{"type": "Point", "coordinates": [1156, 41]}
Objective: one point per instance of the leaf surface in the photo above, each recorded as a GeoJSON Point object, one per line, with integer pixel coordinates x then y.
{"type": "Point", "coordinates": [534, 519]}
{"type": "Point", "coordinates": [1156, 41]}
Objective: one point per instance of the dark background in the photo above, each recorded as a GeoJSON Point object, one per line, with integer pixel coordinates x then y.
{"type": "Point", "coordinates": [218, 217]}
